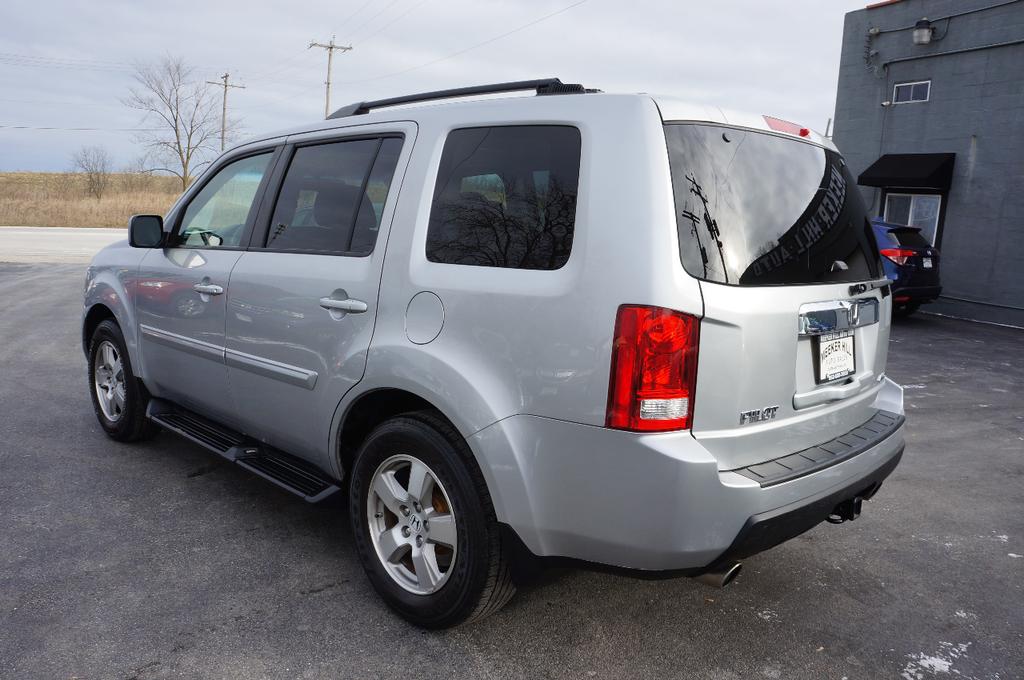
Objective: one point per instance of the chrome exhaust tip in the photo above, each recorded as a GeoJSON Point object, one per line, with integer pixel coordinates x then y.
{"type": "Point", "coordinates": [720, 577]}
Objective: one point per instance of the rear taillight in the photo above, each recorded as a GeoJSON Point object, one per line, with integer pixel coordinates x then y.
{"type": "Point", "coordinates": [654, 369]}
{"type": "Point", "coordinates": [898, 255]}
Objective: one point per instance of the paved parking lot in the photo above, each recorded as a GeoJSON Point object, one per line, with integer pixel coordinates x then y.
{"type": "Point", "coordinates": [159, 560]}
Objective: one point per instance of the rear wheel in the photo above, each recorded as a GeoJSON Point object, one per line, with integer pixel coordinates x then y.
{"type": "Point", "coordinates": [903, 311]}
{"type": "Point", "coordinates": [424, 526]}
{"type": "Point", "coordinates": [118, 398]}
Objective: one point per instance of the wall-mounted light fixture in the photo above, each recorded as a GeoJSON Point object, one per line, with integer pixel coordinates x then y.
{"type": "Point", "coordinates": [923, 30]}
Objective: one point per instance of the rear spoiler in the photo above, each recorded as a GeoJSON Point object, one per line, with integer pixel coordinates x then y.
{"type": "Point", "coordinates": [894, 227]}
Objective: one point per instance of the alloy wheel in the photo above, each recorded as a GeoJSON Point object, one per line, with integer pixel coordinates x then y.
{"type": "Point", "coordinates": [412, 524]}
{"type": "Point", "coordinates": [108, 378]}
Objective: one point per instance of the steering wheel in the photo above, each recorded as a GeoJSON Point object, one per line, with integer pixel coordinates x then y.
{"type": "Point", "coordinates": [207, 236]}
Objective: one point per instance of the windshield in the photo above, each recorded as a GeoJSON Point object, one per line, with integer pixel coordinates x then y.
{"type": "Point", "coordinates": [756, 209]}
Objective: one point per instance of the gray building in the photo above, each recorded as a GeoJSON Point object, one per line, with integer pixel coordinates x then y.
{"type": "Point", "coordinates": [932, 123]}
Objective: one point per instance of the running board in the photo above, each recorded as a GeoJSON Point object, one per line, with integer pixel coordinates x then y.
{"type": "Point", "coordinates": [288, 472]}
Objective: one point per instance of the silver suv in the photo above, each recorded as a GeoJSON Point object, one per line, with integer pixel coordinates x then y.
{"type": "Point", "coordinates": [618, 329]}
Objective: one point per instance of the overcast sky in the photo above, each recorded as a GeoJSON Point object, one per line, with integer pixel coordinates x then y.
{"type": "Point", "coordinates": [67, 64]}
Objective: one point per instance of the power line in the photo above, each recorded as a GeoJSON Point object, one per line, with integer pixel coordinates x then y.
{"type": "Point", "coordinates": [362, 41]}
{"type": "Point", "coordinates": [370, 20]}
{"type": "Point", "coordinates": [77, 129]}
{"type": "Point", "coordinates": [361, 8]}
{"type": "Point", "coordinates": [286, 77]}
{"type": "Point", "coordinates": [330, 47]}
{"type": "Point", "coordinates": [77, 59]}
{"type": "Point", "coordinates": [270, 75]}
{"type": "Point", "coordinates": [468, 49]}
{"type": "Point", "coordinates": [282, 66]}
{"type": "Point", "coordinates": [106, 105]}
{"type": "Point", "coordinates": [13, 59]}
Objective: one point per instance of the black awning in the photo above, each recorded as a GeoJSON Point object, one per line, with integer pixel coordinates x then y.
{"type": "Point", "coordinates": [910, 171]}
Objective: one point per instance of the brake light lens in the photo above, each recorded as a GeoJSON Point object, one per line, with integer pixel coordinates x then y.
{"type": "Point", "coordinates": [780, 125]}
{"type": "Point", "coordinates": [898, 255]}
{"type": "Point", "coordinates": [654, 369]}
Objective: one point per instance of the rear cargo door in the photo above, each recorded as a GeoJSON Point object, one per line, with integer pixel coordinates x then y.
{"type": "Point", "coordinates": [796, 327]}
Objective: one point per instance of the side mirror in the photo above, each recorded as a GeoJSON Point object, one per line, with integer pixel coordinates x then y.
{"type": "Point", "coordinates": [146, 231]}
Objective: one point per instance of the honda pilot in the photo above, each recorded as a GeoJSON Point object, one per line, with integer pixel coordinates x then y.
{"type": "Point", "coordinates": [616, 329]}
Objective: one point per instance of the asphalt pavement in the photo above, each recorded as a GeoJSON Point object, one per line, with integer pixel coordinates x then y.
{"type": "Point", "coordinates": [160, 560]}
{"type": "Point", "coordinates": [55, 244]}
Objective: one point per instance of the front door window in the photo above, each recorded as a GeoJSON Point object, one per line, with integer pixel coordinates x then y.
{"type": "Point", "coordinates": [217, 216]}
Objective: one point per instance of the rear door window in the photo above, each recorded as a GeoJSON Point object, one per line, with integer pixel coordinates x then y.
{"type": "Point", "coordinates": [755, 209]}
{"type": "Point", "coordinates": [332, 197]}
{"type": "Point", "coordinates": [506, 197]}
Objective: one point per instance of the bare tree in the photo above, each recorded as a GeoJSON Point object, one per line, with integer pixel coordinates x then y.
{"type": "Point", "coordinates": [94, 163]}
{"type": "Point", "coordinates": [184, 112]}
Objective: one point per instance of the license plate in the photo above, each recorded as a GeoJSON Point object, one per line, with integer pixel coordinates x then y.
{"type": "Point", "coordinates": [835, 356]}
{"type": "Point", "coordinates": [927, 263]}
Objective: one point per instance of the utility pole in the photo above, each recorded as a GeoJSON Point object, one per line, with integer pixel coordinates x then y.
{"type": "Point", "coordinates": [330, 47]}
{"type": "Point", "coordinates": [224, 105]}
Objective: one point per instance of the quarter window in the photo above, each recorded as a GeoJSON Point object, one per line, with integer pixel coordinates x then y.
{"type": "Point", "coordinates": [506, 197]}
{"type": "Point", "coordinates": [905, 93]}
{"type": "Point", "coordinates": [218, 214]}
{"type": "Point", "coordinates": [333, 196]}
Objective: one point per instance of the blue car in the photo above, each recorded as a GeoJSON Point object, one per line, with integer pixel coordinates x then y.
{"type": "Point", "coordinates": [910, 262]}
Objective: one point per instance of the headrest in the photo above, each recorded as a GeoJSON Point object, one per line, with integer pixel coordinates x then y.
{"type": "Point", "coordinates": [335, 203]}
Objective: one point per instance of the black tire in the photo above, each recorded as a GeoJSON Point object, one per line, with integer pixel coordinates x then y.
{"type": "Point", "coordinates": [479, 582]}
{"type": "Point", "coordinates": [906, 310]}
{"type": "Point", "coordinates": [131, 425]}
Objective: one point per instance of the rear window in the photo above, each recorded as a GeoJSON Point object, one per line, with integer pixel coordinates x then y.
{"type": "Point", "coordinates": [506, 197]}
{"type": "Point", "coordinates": [757, 209]}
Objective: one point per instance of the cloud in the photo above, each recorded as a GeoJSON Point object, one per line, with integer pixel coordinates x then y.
{"type": "Point", "coordinates": [764, 57]}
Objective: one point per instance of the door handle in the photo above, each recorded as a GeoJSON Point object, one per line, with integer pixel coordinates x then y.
{"type": "Point", "coordinates": [208, 288]}
{"type": "Point", "coordinates": [348, 305]}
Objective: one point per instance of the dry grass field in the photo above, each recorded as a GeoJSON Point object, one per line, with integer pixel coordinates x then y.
{"type": "Point", "coordinates": [41, 199]}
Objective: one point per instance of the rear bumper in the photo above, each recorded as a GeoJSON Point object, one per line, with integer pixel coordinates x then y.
{"type": "Point", "coordinates": [769, 529]}
{"type": "Point", "coordinates": [917, 293]}
{"type": "Point", "coordinates": [657, 502]}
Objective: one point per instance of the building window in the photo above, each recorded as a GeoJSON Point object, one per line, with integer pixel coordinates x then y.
{"type": "Point", "coordinates": [914, 210]}
{"type": "Point", "coordinates": [906, 93]}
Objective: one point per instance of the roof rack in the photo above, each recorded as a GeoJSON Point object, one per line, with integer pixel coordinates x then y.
{"type": "Point", "coordinates": [543, 86]}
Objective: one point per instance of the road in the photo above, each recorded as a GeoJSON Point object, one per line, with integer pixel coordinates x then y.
{"type": "Point", "coordinates": [160, 560]}
{"type": "Point", "coordinates": [54, 244]}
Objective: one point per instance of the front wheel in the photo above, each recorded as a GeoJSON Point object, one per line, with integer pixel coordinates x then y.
{"type": "Point", "coordinates": [118, 398]}
{"type": "Point", "coordinates": [424, 525]}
